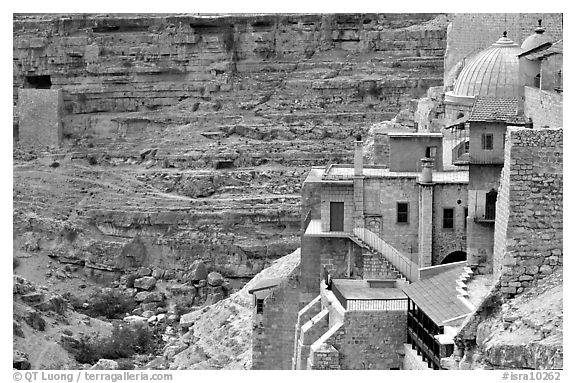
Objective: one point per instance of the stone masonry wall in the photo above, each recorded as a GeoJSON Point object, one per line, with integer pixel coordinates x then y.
{"type": "Point", "coordinates": [380, 198]}
{"type": "Point", "coordinates": [273, 332]}
{"type": "Point", "coordinates": [528, 229]}
{"type": "Point", "coordinates": [544, 107]}
{"type": "Point", "coordinates": [338, 194]}
{"type": "Point", "coordinates": [40, 113]}
{"type": "Point", "coordinates": [472, 32]}
{"type": "Point", "coordinates": [446, 241]}
{"type": "Point", "coordinates": [372, 340]}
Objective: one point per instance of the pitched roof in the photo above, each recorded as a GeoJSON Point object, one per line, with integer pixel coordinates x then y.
{"type": "Point", "coordinates": [437, 295]}
{"type": "Point", "coordinates": [487, 109]}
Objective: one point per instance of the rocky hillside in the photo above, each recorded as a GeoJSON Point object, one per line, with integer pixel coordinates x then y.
{"type": "Point", "coordinates": [219, 336]}
{"type": "Point", "coordinates": [525, 332]}
{"type": "Point", "coordinates": [187, 137]}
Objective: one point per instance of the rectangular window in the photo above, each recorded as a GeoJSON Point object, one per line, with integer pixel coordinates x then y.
{"type": "Point", "coordinates": [503, 140]}
{"type": "Point", "coordinates": [465, 216]}
{"type": "Point", "coordinates": [402, 212]}
{"type": "Point", "coordinates": [431, 152]}
{"type": "Point", "coordinates": [487, 141]}
{"type": "Point", "coordinates": [448, 218]}
{"type": "Point", "coordinates": [259, 306]}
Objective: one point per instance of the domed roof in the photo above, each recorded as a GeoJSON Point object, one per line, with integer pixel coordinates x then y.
{"type": "Point", "coordinates": [491, 73]}
{"type": "Point", "coordinates": [536, 39]}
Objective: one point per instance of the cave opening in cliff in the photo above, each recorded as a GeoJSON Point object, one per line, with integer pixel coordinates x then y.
{"type": "Point", "coordinates": [225, 165]}
{"type": "Point", "coordinates": [38, 82]}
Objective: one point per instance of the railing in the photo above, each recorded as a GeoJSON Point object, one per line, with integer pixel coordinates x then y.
{"type": "Point", "coordinates": [370, 304]}
{"type": "Point", "coordinates": [402, 263]}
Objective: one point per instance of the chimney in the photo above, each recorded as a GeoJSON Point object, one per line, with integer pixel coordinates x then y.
{"type": "Point", "coordinates": [427, 166]}
{"type": "Point", "coordinates": [358, 156]}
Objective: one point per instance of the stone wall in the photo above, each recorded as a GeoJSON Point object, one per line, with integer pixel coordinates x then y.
{"type": "Point", "coordinates": [331, 193]}
{"type": "Point", "coordinates": [446, 241]}
{"type": "Point", "coordinates": [544, 107]}
{"type": "Point", "coordinates": [529, 221]}
{"type": "Point", "coordinates": [40, 114]}
{"type": "Point", "coordinates": [372, 340]}
{"type": "Point", "coordinates": [472, 32]}
{"type": "Point", "coordinates": [273, 331]}
{"type": "Point", "coordinates": [380, 198]}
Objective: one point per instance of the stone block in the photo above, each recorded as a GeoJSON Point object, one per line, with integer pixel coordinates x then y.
{"type": "Point", "coordinates": [40, 114]}
{"type": "Point", "coordinates": [145, 283]}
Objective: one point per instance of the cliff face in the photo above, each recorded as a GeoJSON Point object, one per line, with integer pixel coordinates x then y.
{"type": "Point", "coordinates": [188, 137]}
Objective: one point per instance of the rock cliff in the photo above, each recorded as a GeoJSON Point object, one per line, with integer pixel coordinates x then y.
{"type": "Point", "coordinates": [187, 137]}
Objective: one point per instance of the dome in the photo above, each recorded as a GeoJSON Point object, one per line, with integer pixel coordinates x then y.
{"type": "Point", "coordinates": [536, 39]}
{"type": "Point", "coordinates": [491, 73]}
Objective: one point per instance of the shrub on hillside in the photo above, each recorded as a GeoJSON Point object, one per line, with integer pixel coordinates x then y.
{"type": "Point", "coordinates": [125, 341]}
{"type": "Point", "coordinates": [110, 303]}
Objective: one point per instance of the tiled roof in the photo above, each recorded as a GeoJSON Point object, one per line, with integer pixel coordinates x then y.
{"type": "Point", "coordinates": [437, 295]}
{"type": "Point", "coordinates": [495, 109]}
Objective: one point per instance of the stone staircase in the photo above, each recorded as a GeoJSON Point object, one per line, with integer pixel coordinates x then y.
{"type": "Point", "coordinates": [399, 265]}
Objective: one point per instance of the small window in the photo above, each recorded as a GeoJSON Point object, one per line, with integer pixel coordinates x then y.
{"type": "Point", "coordinates": [487, 141]}
{"type": "Point", "coordinates": [259, 306]}
{"type": "Point", "coordinates": [402, 212]}
{"type": "Point", "coordinates": [431, 152]}
{"type": "Point", "coordinates": [503, 140]}
{"type": "Point", "coordinates": [465, 216]}
{"type": "Point", "coordinates": [467, 147]}
{"type": "Point", "coordinates": [448, 218]}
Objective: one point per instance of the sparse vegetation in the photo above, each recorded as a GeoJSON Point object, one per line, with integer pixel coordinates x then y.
{"type": "Point", "coordinates": [125, 341]}
{"type": "Point", "coordinates": [110, 303]}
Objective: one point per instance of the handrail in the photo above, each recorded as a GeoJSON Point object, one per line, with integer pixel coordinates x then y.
{"type": "Point", "coordinates": [402, 263]}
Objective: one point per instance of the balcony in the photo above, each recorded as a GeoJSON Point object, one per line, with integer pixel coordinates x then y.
{"type": "Point", "coordinates": [360, 295]}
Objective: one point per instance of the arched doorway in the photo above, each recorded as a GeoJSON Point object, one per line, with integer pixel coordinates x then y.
{"type": "Point", "coordinates": [455, 256]}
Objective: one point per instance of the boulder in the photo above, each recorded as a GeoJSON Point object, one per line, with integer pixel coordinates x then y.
{"type": "Point", "coordinates": [105, 364]}
{"type": "Point", "coordinates": [152, 319]}
{"type": "Point", "coordinates": [144, 272]}
{"type": "Point", "coordinates": [17, 329]}
{"type": "Point", "coordinates": [147, 297]}
{"type": "Point", "coordinates": [135, 319]}
{"type": "Point", "coordinates": [20, 360]}
{"type": "Point", "coordinates": [33, 297]}
{"type": "Point", "coordinates": [173, 349]}
{"type": "Point", "coordinates": [215, 279]}
{"type": "Point", "coordinates": [128, 280]}
{"type": "Point", "coordinates": [148, 313]}
{"type": "Point", "coordinates": [145, 283]}
{"type": "Point", "coordinates": [198, 271]}
{"type": "Point", "coordinates": [158, 273]}
{"type": "Point", "coordinates": [35, 320]}
{"type": "Point", "coordinates": [188, 320]}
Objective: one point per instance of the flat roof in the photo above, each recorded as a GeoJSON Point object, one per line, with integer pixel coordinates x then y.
{"type": "Point", "coordinates": [415, 134]}
{"type": "Point", "coordinates": [360, 289]}
{"type": "Point", "coordinates": [342, 173]}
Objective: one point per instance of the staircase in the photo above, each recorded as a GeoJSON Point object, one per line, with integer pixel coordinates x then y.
{"type": "Point", "coordinates": [396, 262]}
